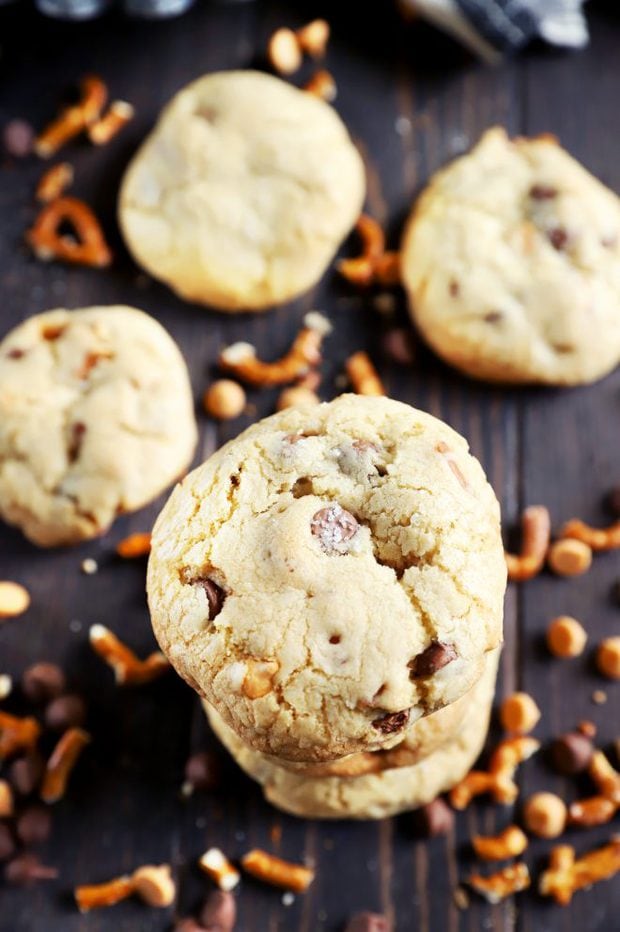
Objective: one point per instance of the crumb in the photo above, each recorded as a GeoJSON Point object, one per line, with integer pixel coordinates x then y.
{"type": "Point", "coordinates": [288, 898]}
{"type": "Point", "coordinates": [599, 696]}
{"type": "Point", "coordinates": [89, 566]}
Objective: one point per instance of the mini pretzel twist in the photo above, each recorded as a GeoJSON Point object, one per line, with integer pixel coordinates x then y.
{"type": "Point", "coordinates": [305, 352]}
{"type": "Point", "coordinates": [75, 119]}
{"type": "Point", "coordinates": [374, 264]}
{"type": "Point", "coordinates": [596, 538]}
{"type": "Point", "coordinates": [565, 875]}
{"type": "Point", "coordinates": [128, 669]}
{"type": "Point", "coordinates": [536, 533]}
{"type": "Point", "coordinates": [47, 243]}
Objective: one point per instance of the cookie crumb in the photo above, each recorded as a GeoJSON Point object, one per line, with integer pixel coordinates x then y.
{"type": "Point", "coordinates": [288, 898]}
{"type": "Point", "coordinates": [89, 566]}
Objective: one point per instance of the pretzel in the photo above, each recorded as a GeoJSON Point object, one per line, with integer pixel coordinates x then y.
{"type": "Point", "coordinates": [277, 872]}
{"type": "Point", "coordinates": [536, 532]}
{"type": "Point", "coordinates": [596, 538]}
{"type": "Point", "coordinates": [128, 669]}
{"type": "Point", "coordinates": [565, 875]}
{"type": "Point", "coordinates": [241, 360]}
{"type": "Point", "coordinates": [62, 760]}
{"type": "Point", "coordinates": [73, 120]}
{"type": "Point", "coordinates": [53, 182]}
{"type": "Point", "coordinates": [363, 376]}
{"type": "Point", "coordinates": [47, 243]}
{"type": "Point", "coordinates": [360, 270]}
{"type": "Point", "coordinates": [106, 127]}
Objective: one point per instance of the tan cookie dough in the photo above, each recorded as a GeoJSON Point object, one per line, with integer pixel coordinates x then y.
{"type": "Point", "coordinates": [96, 419]}
{"type": "Point", "coordinates": [511, 260]}
{"type": "Point", "coordinates": [243, 192]}
{"type": "Point", "coordinates": [330, 576]}
{"type": "Point", "coordinates": [373, 795]}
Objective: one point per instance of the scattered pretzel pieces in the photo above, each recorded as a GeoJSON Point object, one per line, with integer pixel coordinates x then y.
{"type": "Point", "coordinates": [374, 264]}
{"type": "Point", "coordinates": [606, 778]}
{"type": "Point", "coordinates": [597, 539]}
{"type": "Point", "coordinates": [313, 37]}
{"type": "Point", "coordinates": [569, 557]}
{"type": "Point", "coordinates": [240, 359]}
{"type": "Point", "coordinates": [284, 51]}
{"type": "Point", "coordinates": [154, 885]}
{"type": "Point", "coordinates": [565, 875]}
{"type": "Point", "coordinates": [14, 599]}
{"type": "Point", "coordinates": [496, 887]}
{"type": "Point", "coordinates": [54, 181]}
{"type": "Point", "coordinates": [75, 119]}
{"type": "Point", "coordinates": [608, 658]}
{"type": "Point", "coordinates": [88, 248]}
{"type": "Point", "coordinates": [17, 734]}
{"type": "Point", "coordinates": [544, 815]}
{"type": "Point", "coordinates": [323, 85]}
{"type": "Point", "coordinates": [224, 399]}
{"type": "Point", "coordinates": [536, 533]}
{"type": "Point", "coordinates": [508, 844]}
{"type": "Point", "coordinates": [519, 713]}
{"type": "Point", "coordinates": [60, 765]}
{"type": "Point", "coordinates": [118, 115]}
{"type": "Point", "coordinates": [135, 545]}
{"type": "Point", "coordinates": [595, 810]}
{"type": "Point", "coordinates": [216, 865]}
{"type": "Point", "coordinates": [128, 669]}
{"type": "Point", "coordinates": [279, 873]}
{"type": "Point", "coordinates": [101, 895]}
{"type": "Point", "coordinates": [363, 376]}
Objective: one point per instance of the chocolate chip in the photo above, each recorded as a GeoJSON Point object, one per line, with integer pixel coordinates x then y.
{"type": "Point", "coordinates": [7, 842]}
{"type": "Point", "coordinates": [455, 288]}
{"type": "Point", "coordinates": [219, 912]}
{"type": "Point", "coordinates": [43, 681]}
{"type": "Point", "coordinates": [543, 192]}
{"type": "Point", "coordinates": [609, 242]}
{"type": "Point", "coordinates": [398, 345]}
{"type": "Point", "coordinates": [571, 753]}
{"type": "Point", "coordinates": [493, 317]}
{"type": "Point", "coordinates": [392, 722]}
{"type": "Point", "coordinates": [25, 774]}
{"type": "Point", "coordinates": [368, 922]}
{"type": "Point", "coordinates": [558, 238]}
{"type": "Point", "coordinates": [203, 771]}
{"type": "Point", "coordinates": [34, 825]}
{"type": "Point", "coordinates": [333, 526]}
{"type": "Point", "coordinates": [435, 818]}
{"type": "Point", "coordinates": [26, 869]}
{"type": "Point", "coordinates": [216, 596]}
{"type": "Point", "coordinates": [434, 658]}
{"type": "Point", "coordinates": [18, 138]}
{"type": "Point", "coordinates": [65, 712]}
{"type": "Point", "coordinates": [15, 353]}
{"type": "Point", "coordinates": [612, 502]}
{"type": "Point", "coordinates": [76, 436]}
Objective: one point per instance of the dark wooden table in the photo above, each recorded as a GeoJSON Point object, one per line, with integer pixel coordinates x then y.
{"type": "Point", "coordinates": [412, 100]}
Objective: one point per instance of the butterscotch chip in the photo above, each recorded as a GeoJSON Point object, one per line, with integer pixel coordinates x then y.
{"type": "Point", "coordinates": [519, 713]}
{"type": "Point", "coordinates": [154, 885]}
{"type": "Point", "coordinates": [608, 658]}
{"type": "Point", "coordinates": [14, 599]}
{"type": "Point", "coordinates": [224, 399]}
{"type": "Point", "coordinates": [569, 557]}
{"type": "Point", "coordinates": [544, 814]}
{"type": "Point", "coordinates": [566, 637]}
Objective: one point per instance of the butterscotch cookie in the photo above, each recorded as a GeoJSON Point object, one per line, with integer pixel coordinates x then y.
{"type": "Point", "coordinates": [243, 192]}
{"type": "Point", "coordinates": [511, 260]}
{"type": "Point", "coordinates": [96, 419]}
{"type": "Point", "coordinates": [330, 576]}
{"type": "Point", "coordinates": [373, 795]}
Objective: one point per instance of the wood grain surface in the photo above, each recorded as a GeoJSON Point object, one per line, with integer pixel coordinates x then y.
{"type": "Point", "coordinates": [412, 100]}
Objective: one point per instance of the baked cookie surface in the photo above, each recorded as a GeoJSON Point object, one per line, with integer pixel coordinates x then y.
{"type": "Point", "coordinates": [96, 418]}
{"type": "Point", "coordinates": [330, 576]}
{"type": "Point", "coordinates": [373, 795]}
{"type": "Point", "coordinates": [243, 192]}
{"type": "Point", "coordinates": [511, 260]}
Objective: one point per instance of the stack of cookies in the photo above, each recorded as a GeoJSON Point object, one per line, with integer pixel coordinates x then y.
{"type": "Point", "coordinates": [331, 583]}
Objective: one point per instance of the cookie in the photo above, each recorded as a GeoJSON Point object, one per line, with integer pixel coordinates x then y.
{"type": "Point", "coordinates": [330, 576]}
{"type": "Point", "coordinates": [511, 260]}
{"type": "Point", "coordinates": [96, 419]}
{"type": "Point", "coordinates": [243, 192]}
{"type": "Point", "coordinates": [373, 795]}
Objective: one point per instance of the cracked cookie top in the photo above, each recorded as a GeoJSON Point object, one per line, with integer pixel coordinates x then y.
{"type": "Point", "coordinates": [243, 192]}
{"type": "Point", "coordinates": [330, 576]}
{"type": "Point", "coordinates": [511, 260]}
{"type": "Point", "coordinates": [96, 418]}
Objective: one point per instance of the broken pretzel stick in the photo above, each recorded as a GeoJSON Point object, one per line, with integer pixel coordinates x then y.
{"type": "Point", "coordinates": [75, 119]}
{"type": "Point", "coordinates": [305, 352]}
{"type": "Point", "coordinates": [363, 376]}
{"type": "Point", "coordinates": [118, 115]}
{"type": "Point", "coordinates": [607, 779]}
{"type": "Point", "coordinates": [128, 669]}
{"type": "Point", "coordinates": [54, 181]}
{"type": "Point", "coordinates": [508, 844]}
{"type": "Point", "coordinates": [498, 886]}
{"type": "Point", "coordinates": [135, 545]}
{"type": "Point", "coordinates": [98, 896]}
{"type": "Point", "coordinates": [313, 37]}
{"type": "Point", "coordinates": [565, 875]}
{"type": "Point", "coordinates": [216, 865]}
{"type": "Point", "coordinates": [278, 873]}
{"type": "Point", "coordinates": [499, 779]}
{"type": "Point", "coordinates": [60, 765]}
{"type": "Point", "coordinates": [17, 734]}
{"type": "Point", "coordinates": [322, 85]}
{"type": "Point", "coordinates": [596, 538]}
{"type": "Point", "coordinates": [361, 269]}
{"type": "Point", "coordinates": [536, 532]}
{"type": "Point", "coordinates": [88, 248]}
{"type": "Point", "coordinates": [596, 810]}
